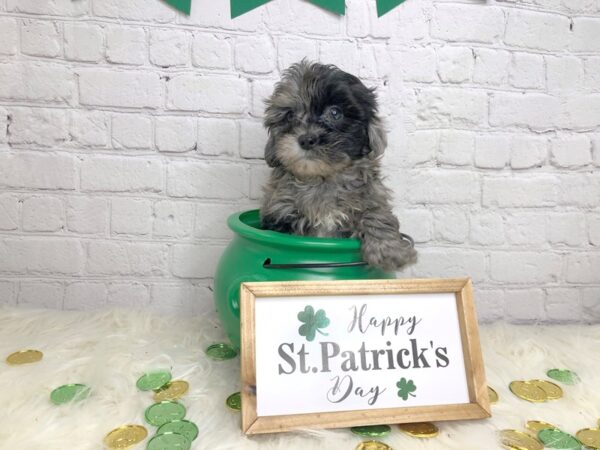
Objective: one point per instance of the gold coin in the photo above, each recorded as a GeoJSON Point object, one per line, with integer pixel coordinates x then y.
{"type": "Point", "coordinates": [373, 445]}
{"type": "Point", "coordinates": [172, 391]}
{"type": "Point", "coordinates": [553, 391]}
{"type": "Point", "coordinates": [421, 429]}
{"type": "Point", "coordinates": [493, 395]}
{"type": "Point", "coordinates": [24, 357]}
{"type": "Point", "coordinates": [538, 425]}
{"type": "Point", "coordinates": [125, 436]}
{"type": "Point", "coordinates": [519, 440]}
{"type": "Point", "coordinates": [590, 437]}
{"type": "Point", "coordinates": [528, 391]}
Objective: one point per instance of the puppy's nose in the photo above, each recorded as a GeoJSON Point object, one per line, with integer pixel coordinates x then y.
{"type": "Point", "coordinates": [308, 140]}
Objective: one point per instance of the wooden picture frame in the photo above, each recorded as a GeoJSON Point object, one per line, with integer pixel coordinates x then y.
{"type": "Point", "coordinates": [478, 406]}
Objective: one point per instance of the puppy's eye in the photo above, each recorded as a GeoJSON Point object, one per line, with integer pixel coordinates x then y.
{"type": "Point", "coordinates": [289, 116]}
{"type": "Point", "coordinates": [336, 113]}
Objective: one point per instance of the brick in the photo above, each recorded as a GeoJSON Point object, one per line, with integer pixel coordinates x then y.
{"type": "Point", "coordinates": [211, 220]}
{"type": "Point", "coordinates": [255, 54]}
{"type": "Point", "coordinates": [195, 261]}
{"type": "Point", "coordinates": [134, 10]}
{"type": "Point", "coordinates": [84, 42]}
{"type": "Point", "coordinates": [128, 294]}
{"type": "Point", "coordinates": [9, 212]}
{"type": "Point", "coordinates": [131, 216]}
{"type": "Point", "coordinates": [579, 189]}
{"type": "Point", "coordinates": [41, 294]}
{"type": "Point", "coordinates": [192, 92]}
{"type": "Point", "coordinates": [486, 23]}
{"type": "Point", "coordinates": [43, 214]}
{"type": "Point", "coordinates": [418, 223]}
{"type": "Point", "coordinates": [567, 229]}
{"type": "Point", "coordinates": [524, 305]}
{"type": "Point", "coordinates": [420, 148]}
{"type": "Point", "coordinates": [173, 219]}
{"type": "Point", "coordinates": [291, 49]}
{"type": "Point", "coordinates": [169, 48]}
{"type": "Point", "coordinates": [539, 112]}
{"type": "Point", "coordinates": [45, 127]}
{"type": "Point", "coordinates": [527, 71]}
{"type": "Point", "coordinates": [596, 150]}
{"type": "Point", "coordinates": [87, 215]}
{"type": "Point", "coordinates": [571, 151]}
{"type": "Point", "coordinates": [37, 171]}
{"type": "Point", "coordinates": [490, 305]}
{"type": "Point", "coordinates": [253, 139]}
{"type": "Point", "coordinates": [594, 229]}
{"type": "Point", "coordinates": [343, 54]}
{"type": "Point", "coordinates": [581, 112]}
{"type": "Point", "coordinates": [537, 30]}
{"type": "Point", "coordinates": [127, 259]}
{"type": "Point", "coordinates": [491, 66]}
{"type": "Point", "coordinates": [217, 137]}
{"type": "Point", "coordinates": [36, 82]}
{"type": "Point", "coordinates": [563, 305]}
{"type": "Point", "coordinates": [102, 87]}
{"type": "Point", "coordinates": [89, 128]}
{"type": "Point", "coordinates": [450, 263]}
{"type": "Point", "coordinates": [41, 256]}
{"type": "Point", "coordinates": [40, 38]}
{"type": "Point", "coordinates": [8, 36]}
{"type": "Point", "coordinates": [486, 228]}
{"type": "Point", "coordinates": [258, 178]}
{"type": "Point", "coordinates": [298, 18]}
{"type": "Point", "coordinates": [586, 34]}
{"type": "Point", "coordinates": [132, 131]}
{"type": "Point", "coordinates": [202, 180]}
{"type": "Point", "coordinates": [126, 45]}
{"type": "Point", "coordinates": [51, 8]}
{"type": "Point", "coordinates": [416, 64]}
{"type": "Point", "coordinates": [527, 152]}
{"type": "Point", "coordinates": [591, 305]}
{"type": "Point", "coordinates": [517, 191]}
{"type": "Point", "coordinates": [176, 134]}
{"type": "Point", "coordinates": [261, 90]}
{"type": "Point", "coordinates": [525, 228]}
{"type": "Point", "coordinates": [564, 73]}
{"type": "Point", "coordinates": [583, 268]}
{"type": "Point", "coordinates": [121, 174]}
{"type": "Point", "coordinates": [181, 299]}
{"type": "Point", "coordinates": [592, 73]}
{"type": "Point", "coordinates": [525, 267]}
{"type": "Point", "coordinates": [438, 186]}
{"type": "Point", "coordinates": [7, 293]}
{"type": "Point", "coordinates": [451, 107]}
{"type": "Point", "coordinates": [451, 225]}
{"type": "Point", "coordinates": [211, 51]}
{"type": "Point", "coordinates": [375, 61]}
{"type": "Point", "coordinates": [491, 151]}
{"type": "Point", "coordinates": [456, 148]}
{"type": "Point", "coordinates": [85, 296]}
{"type": "Point", "coordinates": [455, 64]}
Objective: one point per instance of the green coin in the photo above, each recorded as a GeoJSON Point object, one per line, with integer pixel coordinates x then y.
{"type": "Point", "coordinates": [372, 430]}
{"type": "Point", "coordinates": [153, 380]}
{"type": "Point", "coordinates": [69, 393]}
{"type": "Point", "coordinates": [163, 412]}
{"type": "Point", "coordinates": [234, 401]}
{"type": "Point", "coordinates": [183, 427]}
{"type": "Point", "coordinates": [221, 352]}
{"type": "Point", "coordinates": [565, 376]}
{"type": "Point", "coordinates": [553, 438]}
{"type": "Point", "coordinates": [169, 441]}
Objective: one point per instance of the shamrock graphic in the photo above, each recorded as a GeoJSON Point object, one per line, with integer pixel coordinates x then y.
{"type": "Point", "coordinates": [405, 388]}
{"type": "Point", "coordinates": [312, 322]}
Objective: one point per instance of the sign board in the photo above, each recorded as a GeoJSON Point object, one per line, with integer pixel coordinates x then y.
{"type": "Point", "coordinates": [345, 353]}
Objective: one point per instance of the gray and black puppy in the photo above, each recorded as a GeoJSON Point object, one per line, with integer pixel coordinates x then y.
{"type": "Point", "coordinates": [325, 142]}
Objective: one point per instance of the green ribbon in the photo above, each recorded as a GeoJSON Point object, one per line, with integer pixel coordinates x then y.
{"type": "Point", "coordinates": [185, 6]}
{"type": "Point", "coordinates": [239, 7]}
{"type": "Point", "coordinates": [336, 6]}
{"type": "Point", "coordinates": [385, 6]}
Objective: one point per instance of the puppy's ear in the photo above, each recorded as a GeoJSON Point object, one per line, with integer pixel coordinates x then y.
{"type": "Point", "coordinates": [377, 138]}
{"type": "Point", "coordinates": [270, 153]}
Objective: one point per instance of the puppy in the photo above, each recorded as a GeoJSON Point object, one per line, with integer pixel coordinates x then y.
{"type": "Point", "coordinates": [325, 142]}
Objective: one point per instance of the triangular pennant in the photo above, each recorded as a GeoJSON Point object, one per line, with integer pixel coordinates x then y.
{"type": "Point", "coordinates": [239, 7]}
{"type": "Point", "coordinates": [385, 6]}
{"type": "Point", "coordinates": [336, 6]}
{"type": "Point", "coordinates": [185, 6]}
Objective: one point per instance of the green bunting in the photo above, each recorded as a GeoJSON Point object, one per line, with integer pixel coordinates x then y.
{"type": "Point", "coordinates": [239, 7]}
{"type": "Point", "coordinates": [336, 6]}
{"type": "Point", "coordinates": [385, 6]}
{"type": "Point", "coordinates": [185, 6]}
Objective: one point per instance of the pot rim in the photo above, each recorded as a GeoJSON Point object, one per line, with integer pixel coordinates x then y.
{"type": "Point", "coordinates": [240, 223]}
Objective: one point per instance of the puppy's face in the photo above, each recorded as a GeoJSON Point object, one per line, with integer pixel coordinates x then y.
{"type": "Point", "coordinates": [321, 119]}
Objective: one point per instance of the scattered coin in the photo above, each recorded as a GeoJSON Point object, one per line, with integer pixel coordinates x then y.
{"type": "Point", "coordinates": [565, 376]}
{"type": "Point", "coordinates": [171, 391]}
{"type": "Point", "coordinates": [153, 380]}
{"type": "Point", "coordinates": [221, 352]}
{"type": "Point", "coordinates": [24, 357]}
{"type": "Point", "coordinates": [590, 437]}
{"type": "Point", "coordinates": [183, 427]}
{"type": "Point", "coordinates": [558, 439]}
{"type": "Point", "coordinates": [125, 436]}
{"type": "Point", "coordinates": [528, 391]}
{"type": "Point", "coordinates": [421, 430]}
{"type": "Point", "coordinates": [168, 441]}
{"type": "Point", "coordinates": [163, 412]}
{"type": "Point", "coordinates": [69, 393]}
{"type": "Point", "coordinates": [493, 395]}
{"type": "Point", "coordinates": [519, 440]}
{"type": "Point", "coordinates": [553, 391]}
{"type": "Point", "coordinates": [234, 401]}
{"type": "Point", "coordinates": [373, 445]}
{"type": "Point", "coordinates": [372, 430]}
{"type": "Point", "coordinates": [537, 425]}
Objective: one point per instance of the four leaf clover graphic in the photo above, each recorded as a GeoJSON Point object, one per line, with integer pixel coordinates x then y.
{"type": "Point", "coordinates": [405, 388]}
{"type": "Point", "coordinates": [312, 322]}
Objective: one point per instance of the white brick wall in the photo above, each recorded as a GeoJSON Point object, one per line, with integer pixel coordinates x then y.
{"type": "Point", "coordinates": [129, 132]}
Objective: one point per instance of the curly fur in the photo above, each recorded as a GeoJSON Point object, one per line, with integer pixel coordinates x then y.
{"type": "Point", "coordinates": [325, 143]}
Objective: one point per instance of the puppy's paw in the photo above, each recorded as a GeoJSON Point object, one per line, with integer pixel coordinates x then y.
{"type": "Point", "coordinates": [388, 255]}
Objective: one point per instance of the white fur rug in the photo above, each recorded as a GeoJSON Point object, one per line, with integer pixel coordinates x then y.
{"type": "Point", "coordinates": [109, 350]}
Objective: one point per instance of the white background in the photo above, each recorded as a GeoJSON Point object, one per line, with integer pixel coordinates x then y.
{"type": "Point", "coordinates": [277, 322]}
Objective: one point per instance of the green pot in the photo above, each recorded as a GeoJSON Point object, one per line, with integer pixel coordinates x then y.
{"type": "Point", "coordinates": [260, 255]}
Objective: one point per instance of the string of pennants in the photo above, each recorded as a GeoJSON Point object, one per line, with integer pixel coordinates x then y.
{"type": "Point", "coordinates": [239, 7]}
